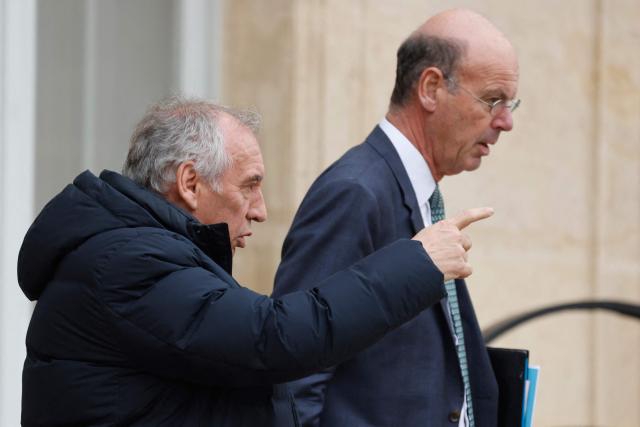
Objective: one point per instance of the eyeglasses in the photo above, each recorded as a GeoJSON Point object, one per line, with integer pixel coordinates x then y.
{"type": "Point", "coordinates": [496, 106]}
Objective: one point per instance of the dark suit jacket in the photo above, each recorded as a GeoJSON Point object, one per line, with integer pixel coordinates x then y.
{"type": "Point", "coordinates": [411, 377]}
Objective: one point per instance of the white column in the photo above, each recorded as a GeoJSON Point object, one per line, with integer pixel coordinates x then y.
{"type": "Point", "coordinates": [17, 90]}
{"type": "Point", "coordinates": [199, 24]}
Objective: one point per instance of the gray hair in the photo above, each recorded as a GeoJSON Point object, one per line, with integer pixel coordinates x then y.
{"type": "Point", "coordinates": [176, 130]}
{"type": "Point", "coordinates": [420, 52]}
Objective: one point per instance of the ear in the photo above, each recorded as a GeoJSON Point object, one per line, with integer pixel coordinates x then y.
{"type": "Point", "coordinates": [186, 190]}
{"type": "Point", "coordinates": [430, 81]}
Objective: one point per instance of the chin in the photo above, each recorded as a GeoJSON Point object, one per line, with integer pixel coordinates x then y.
{"type": "Point", "coordinates": [473, 164]}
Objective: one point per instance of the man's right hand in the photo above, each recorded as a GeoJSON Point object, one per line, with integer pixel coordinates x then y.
{"type": "Point", "coordinates": [447, 245]}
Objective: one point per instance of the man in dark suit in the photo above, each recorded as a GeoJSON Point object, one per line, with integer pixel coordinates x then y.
{"type": "Point", "coordinates": [455, 92]}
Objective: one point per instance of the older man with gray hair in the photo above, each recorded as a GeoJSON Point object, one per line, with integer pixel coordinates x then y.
{"type": "Point", "coordinates": [139, 321]}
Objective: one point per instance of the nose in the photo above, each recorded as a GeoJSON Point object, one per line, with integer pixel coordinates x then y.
{"type": "Point", "coordinates": [258, 211]}
{"type": "Point", "coordinates": [503, 121]}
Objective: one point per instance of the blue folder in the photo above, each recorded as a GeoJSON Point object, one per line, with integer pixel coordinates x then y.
{"type": "Point", "coordinates": [517, 384]}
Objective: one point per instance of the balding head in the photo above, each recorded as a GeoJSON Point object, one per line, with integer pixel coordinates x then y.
{"type": "Point", "coordinates": [462, 24]}
{"type": "Point", "coordinates": [479, 36]}
{"type": "Point", "coordinates": [449, 41]}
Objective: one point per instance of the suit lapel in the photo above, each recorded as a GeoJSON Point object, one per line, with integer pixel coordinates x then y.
{"type": "Point", "coordinates": [383, 146]}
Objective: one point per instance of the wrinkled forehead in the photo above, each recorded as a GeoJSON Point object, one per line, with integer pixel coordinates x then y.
{"type": "Point", "coordinates": [487, 57]}
{"type": "Point", "coordinates": [237, 136]}
{"type": "Point", "coordinates": [243, 148]}
{"type": "Point", "coordinates": [497, 77]}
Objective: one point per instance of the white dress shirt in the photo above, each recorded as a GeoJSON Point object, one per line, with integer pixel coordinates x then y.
{"type": "Point", "coordinates": [416, 166]}
{"type": "Point", "coordinates": [423, 185]}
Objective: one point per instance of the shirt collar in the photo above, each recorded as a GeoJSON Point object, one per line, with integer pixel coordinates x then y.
{"type": "Point", "coordinates": [416, 166]}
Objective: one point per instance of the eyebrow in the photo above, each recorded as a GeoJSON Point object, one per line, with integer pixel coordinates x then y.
{"type": "Point", "coordinates": [497, 93]}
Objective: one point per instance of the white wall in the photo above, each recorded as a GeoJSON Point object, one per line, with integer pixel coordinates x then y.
{"type": "Point", "coordinates": [101, 64]}
{"type": "Point", "coordinates": [17, 91]}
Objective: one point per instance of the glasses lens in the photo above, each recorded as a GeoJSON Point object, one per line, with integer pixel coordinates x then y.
{"type": "Point", "coordinates": [501, 105]}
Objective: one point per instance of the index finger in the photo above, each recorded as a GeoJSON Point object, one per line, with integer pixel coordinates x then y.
{"type": "Point", "coordinates": [470, 216]}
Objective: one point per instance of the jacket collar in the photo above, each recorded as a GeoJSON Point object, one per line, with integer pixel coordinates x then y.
{"type": "Point", "coordinates": [212, 239]}
{"type": "Point", "coordinates": [381, 144]}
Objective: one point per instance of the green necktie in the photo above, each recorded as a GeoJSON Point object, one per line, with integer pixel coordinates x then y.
{"type": "Point", "coordinates": [437, 214]}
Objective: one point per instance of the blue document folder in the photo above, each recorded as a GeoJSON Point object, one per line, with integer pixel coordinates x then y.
{"type": "Point", "coordinates": [531, 387]}
{"type": "Point", "coordinates": [517, 383]}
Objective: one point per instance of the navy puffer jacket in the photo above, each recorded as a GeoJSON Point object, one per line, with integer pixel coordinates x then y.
{"type": "Point", "coordinates": [139, 322]}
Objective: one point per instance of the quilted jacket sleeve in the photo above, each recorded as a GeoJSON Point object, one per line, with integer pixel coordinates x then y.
{"type": "Point", "coordinates": [181, 321]}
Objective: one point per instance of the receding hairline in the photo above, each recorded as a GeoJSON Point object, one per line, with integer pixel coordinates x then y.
{"type": "Point", "coordinates": [227, 121]}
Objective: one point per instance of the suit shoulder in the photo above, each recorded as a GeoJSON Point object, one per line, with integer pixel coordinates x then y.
{"type": "Point", "coordinates": [360, 166]}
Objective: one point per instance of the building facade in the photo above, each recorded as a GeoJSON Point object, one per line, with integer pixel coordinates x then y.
{"type": "Point", "coordinates": [76, 75]}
